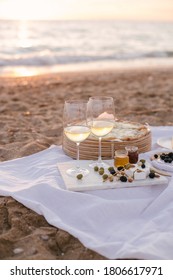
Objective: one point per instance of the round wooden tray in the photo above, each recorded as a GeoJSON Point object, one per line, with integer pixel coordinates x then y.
{"type": "Point", "coordinates": [89, 148]}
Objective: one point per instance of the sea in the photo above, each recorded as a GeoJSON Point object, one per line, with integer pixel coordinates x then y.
{"type": "Point", "coordinates": [34, 47]}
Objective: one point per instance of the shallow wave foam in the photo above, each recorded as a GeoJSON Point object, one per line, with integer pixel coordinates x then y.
{"type": "Point", "coordinates": [72, 42]}
{"type": "Point", "coordinates": [48, 58]}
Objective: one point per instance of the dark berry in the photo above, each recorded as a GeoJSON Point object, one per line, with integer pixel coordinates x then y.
{"type": "Point", "coordinates": [170, 155]}
{"type": "Point", "coordinates": [152, 175]}
{"type": "Point", "coordinates": [156, 156]}
{"type": "Point", "coordinates": [169, 160]}
{"type": "Point", "coordinates": [162, 157]}
{"type": "Point", "coordinates": [112, 171]}
{"type": "Point", "coordinates": [120, 168]}
{"type": "Point", "coordinates": [143, 165]}
{"type": "Point", "coordinates": [123, 178]}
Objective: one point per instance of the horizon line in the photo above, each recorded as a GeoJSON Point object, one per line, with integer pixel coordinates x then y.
{"type": "Point", "coordinates": [93, 19]}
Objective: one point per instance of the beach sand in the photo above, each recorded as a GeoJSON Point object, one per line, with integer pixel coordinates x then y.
{"type": "Point", "coordinates": [31, 120]}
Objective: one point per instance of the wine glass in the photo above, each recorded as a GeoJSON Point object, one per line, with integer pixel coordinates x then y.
{"type": "Point", "coordinates": [101, 120]}
{"type": "Point", "coordinates": [76, 129]}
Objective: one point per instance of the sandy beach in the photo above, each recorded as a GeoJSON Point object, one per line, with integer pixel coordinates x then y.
{"type": "Point", "coordinates": [31, 121]}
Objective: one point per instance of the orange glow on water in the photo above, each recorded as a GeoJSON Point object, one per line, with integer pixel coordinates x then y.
{"type": "Point", "coordinates": [24, 72]}
{"type": "Point", "coordinates": [20, 72]}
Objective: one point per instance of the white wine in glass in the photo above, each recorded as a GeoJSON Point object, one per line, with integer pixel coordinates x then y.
{"type": "Point", "coordinates": [76, 129]}
{"type": "Point", "coordinates": [101, 120]}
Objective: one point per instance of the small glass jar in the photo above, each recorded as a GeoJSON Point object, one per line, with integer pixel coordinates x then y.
{"type": "Point", "coordinates": [132, 153]}
{"type": "Point", "coordinates": [121, 158]}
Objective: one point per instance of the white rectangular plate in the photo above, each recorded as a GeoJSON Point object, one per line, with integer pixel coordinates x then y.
{"type": "Point", "coordinates": [94, 181]}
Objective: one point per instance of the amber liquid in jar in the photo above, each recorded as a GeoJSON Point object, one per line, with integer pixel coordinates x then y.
{"type": "Point", "coordinates": [121, 158]}
{"type": "Point", "coordinates": [132, 153]}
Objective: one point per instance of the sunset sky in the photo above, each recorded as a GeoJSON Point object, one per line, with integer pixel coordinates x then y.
{"type": "Point", "coordinates": [87, 9]}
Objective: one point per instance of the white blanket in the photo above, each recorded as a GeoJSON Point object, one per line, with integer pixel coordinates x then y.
{"type": "Point", "coordinates": [121, 223]}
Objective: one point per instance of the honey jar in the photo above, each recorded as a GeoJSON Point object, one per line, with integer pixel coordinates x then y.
{"type": "Point", "coordinates": [121, 158]}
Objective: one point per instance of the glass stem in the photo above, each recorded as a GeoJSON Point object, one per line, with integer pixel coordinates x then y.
{"type": "Point", "coordinates": [100, 150]}
{"type": "Point", "coordinates": [77, 158]}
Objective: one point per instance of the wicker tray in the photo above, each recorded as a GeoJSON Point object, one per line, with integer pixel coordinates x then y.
{"type": "Point", "coordinates": [89, 148]}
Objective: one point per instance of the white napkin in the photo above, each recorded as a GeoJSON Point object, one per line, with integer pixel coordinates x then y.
{"type": "Point", "coordinates": [163, 166]}
{"type": "Point", "coordinates": [121, 223]}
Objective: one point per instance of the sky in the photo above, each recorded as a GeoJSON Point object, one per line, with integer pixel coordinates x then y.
{"type": "Point", "coordinates": [87, 9]}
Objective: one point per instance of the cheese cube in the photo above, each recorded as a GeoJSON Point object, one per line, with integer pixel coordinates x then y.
{"type": "Point", "coordinates": [139, 175]}
{"type": "Point", "coordinates": [137, 172]}
{"type": "Point", "coordinates": [129, 172]}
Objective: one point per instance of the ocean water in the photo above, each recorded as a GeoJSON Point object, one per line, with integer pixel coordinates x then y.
{"type": "Point", "coordinates": [50, 46]}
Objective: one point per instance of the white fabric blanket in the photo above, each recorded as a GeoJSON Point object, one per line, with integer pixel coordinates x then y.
{"type": "Point", "coordinates": [121, 223]}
